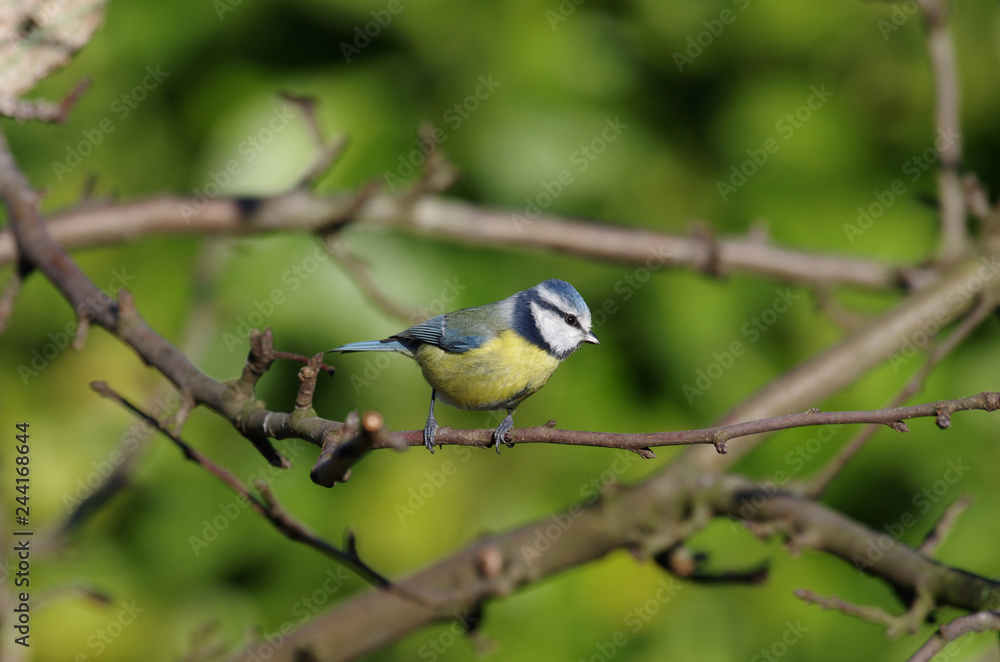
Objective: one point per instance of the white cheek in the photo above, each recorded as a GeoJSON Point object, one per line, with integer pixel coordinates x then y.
{"type": "Point", "coordinates": [560, 336]}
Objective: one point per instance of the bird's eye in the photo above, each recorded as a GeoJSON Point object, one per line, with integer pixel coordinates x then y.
{"type": "Point", "coordinates": [570, 320]}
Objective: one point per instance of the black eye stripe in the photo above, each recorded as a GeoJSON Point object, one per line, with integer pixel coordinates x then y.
{"type": "Point", "coordinates": [531, 313]}
{"type": "Point", "coordinates": [544, 304]}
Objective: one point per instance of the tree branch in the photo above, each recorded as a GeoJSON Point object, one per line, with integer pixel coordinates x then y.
{"type": "Point", "coordinates": [265, 505]}
{"type": "Point", "coordinates": [948, 139]}
{"type": "Point", "coordinates": [44, 111]}
{"type": "Point", "coordinates": [912, 322]}
{"type": "Point", "coordinates": [235, 401]}
{"type": "Point", "coordinates": [983, 621]}
{"type": "Point", "coordinates": [299, 210]}
{"type": "Point", "coordinates": [717, 436]}
{"type": "Point", "coordinates": [906, 622]}
{"type": "Point", "coordinates": [645, 519]}
{"type": "Point", "coordinates": [944, 525]}
{"type": "Point", "coordinates": [824, 477]}
{"type": "Point", "coordinates": [231, 400]}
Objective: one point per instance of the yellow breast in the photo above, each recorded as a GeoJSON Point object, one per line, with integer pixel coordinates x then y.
{"type": "Point", "coordinates": [498, 375]}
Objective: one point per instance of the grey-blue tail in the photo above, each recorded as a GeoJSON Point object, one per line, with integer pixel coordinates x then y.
{"type": "Point", "coordinates": [371, 346]}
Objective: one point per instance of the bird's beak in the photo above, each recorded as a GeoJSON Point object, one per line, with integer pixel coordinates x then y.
{"type": "Point", "coordinates": [591, 338]}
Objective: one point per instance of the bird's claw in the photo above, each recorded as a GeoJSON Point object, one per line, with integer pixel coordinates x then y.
{"type": "Point", "coordinates": [430, 429]}
{"type": "Point", "coordinates": [500, 434]}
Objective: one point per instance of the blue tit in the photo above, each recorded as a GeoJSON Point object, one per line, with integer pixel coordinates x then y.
{"type": "Point", "coordinates": [493, 356]}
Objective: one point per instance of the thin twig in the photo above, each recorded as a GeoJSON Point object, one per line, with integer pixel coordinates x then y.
{"type": "Point", "coordinates": [980, 621]}
{"type": "Point", "coordinates": [299, 210]}
{"type": "Point", "coordinates": [841, 315]}
{"type": "Point", "coordinates": [842, 364]}
{"type": "Point", "coordinates": [267, 507]}
{"type": "Point", "coordinates": [719, 435]}
{"type": "Point", "coordinates": [329, 151]}
{"type": "Point", "coordinates": [358, 271]}
{"type": "Point", "coordinates": [954, 234]}
{"type": "Point", "coordinates": [307, 385]}
{"type": "Point", "coordinates": [872, 614]}
{"type": "Point", "coordinates": [817, 485]}
{"type": "Point", "coordinates": [305, 360]}
{"type": "Point", "coordinates": [437, 174]}
{"type": "Point", "coordinates": [909, 622]}
{"type": "Point", "coordinates": [937, 535]}
{"type": "Point", "coordinates": [978, 199]}
{"type": "Point", "coordinates": [360, 434]}
{"type": "Point", "coordinates": [44, 111]}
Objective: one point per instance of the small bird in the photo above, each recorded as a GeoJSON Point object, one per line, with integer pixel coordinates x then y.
{"type": "Point", "coordinates": [493, 356]}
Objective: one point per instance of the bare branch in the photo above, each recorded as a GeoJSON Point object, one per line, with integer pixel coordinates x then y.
{"type": "Point", "coordinates": [717, 436]}
{"type": "Point", "coordinates": [360, 435]}
{"type": "Point", "coordinates": [937, 535]}
{"type": "Point", "coordinates": [908, 622]}
{"type": "Point", "coordinates": [329, 151]}
{"type": "Point", "coordinates": [299, 210]}
{"type": "Point", "coordinates": [234, 402]}
{"type": "Point", "coordinates": [978, 199]}
{"type": "Point", "coordinates": [305, 360]}
{"type": "Point", "coordinates": [882, 339]}
{"type": "Point", "coordinates": [982, 621]}
{"type": "Point", "coordinates": [266, 506]}
{"type": "Point", "coordinates": [954, 234]}
{"type": "Point", "coordinates": [817, 484]}
{"type": "Point", "coordinates": [437, 174]}
{"type": "Point", "coordinates": [359, 273]}
{"type": "Point", "coordinates": [307, 385]}
{"type": "Point", "coordinates": [872, 614]}
{"type": "Point", "coordinates": [646, 519]}
{"type": "Point", "coordinates": [461, 221]}
{"type": "Point", "coordinates": [258, 362]}
{"type": "Point", "coordinates": [44, 111]}
{"type": "Point", "coordinates": [257, 424]}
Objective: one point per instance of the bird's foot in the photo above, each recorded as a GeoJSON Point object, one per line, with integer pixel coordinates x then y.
{"type": "Point", "coordinates": [500, 434]}
{"type": "Point", "coordinates": [430, 429]}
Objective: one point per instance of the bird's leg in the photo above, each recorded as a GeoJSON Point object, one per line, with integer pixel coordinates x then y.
{"type": "Point", "coordinates": [430, 428]}
{"type": "Point", "coordinates": [506, 425]}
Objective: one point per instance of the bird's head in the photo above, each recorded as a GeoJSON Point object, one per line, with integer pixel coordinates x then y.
{"type": "Point", "coordinates": [559, 317]}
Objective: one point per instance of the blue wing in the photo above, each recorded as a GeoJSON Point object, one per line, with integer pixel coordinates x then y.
{"type": "Point", "coordinates": [455, 332]}
{"type": "Point", "coordinates": [429, 331]}
{"type": "Point", "coordinates": [404, 342]}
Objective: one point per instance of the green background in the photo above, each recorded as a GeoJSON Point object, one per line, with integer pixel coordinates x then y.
{"type": "Point", "coordinates": [559, 73]}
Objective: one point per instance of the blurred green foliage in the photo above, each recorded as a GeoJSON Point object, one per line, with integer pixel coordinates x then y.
{"type": "Point", "coordinates": [521, 92]}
